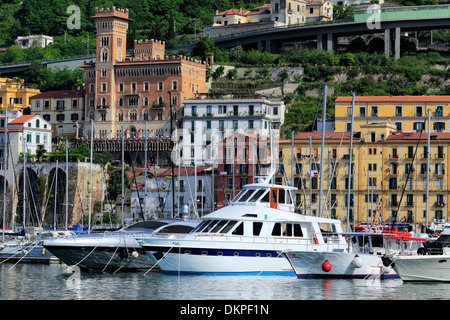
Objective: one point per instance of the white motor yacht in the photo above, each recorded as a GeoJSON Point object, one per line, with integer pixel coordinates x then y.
{"type": "Point", "coordinates": [246, 237]}
{"type": "Point", "coordinates": [116, 250]}
{"type": "Point", "coordinates": [431, 263]}
{"type": "Point", "coordinates": [361, 258]}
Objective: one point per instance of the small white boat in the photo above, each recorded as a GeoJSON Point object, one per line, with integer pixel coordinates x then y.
{"type": "Point", "coordinates": [116, 250]}
{"type": "Point", "coordinates": [360, 258]}
{"type": "Point", "coordinates": [247, 236]}
{"type": "Point", "coordinates": [23, 249]}
{"type": "Point", "coordinates": [431, 263]}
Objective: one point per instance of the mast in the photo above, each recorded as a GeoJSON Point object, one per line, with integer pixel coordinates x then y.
{"type": "Point", "coordinates": [171, 161]}
{"type": "Point", "coordinates": [24, 180]}
{"type": "Point", "coordinates": [90, 175]}
{"type": "Point", "coordinates": [145, 170]}
{"type": "Point", "coordinates": [350, 156]}
{"type": "Point", "coordinates": [5, 156]}
{"type": "Point", "coordinates": [123, 159]}
{"type": "Point", "coordinates": [67, 184]}
{"type": "Point", "coordinates": [292, 158]}
{"type": "Point", "coordinates": [321, 148]}
{"type": "Point", "coordinates": [56, 193]}
{"type": "Point", "coordinates": [428, 168]}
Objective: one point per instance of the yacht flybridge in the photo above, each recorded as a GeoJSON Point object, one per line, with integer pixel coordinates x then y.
{"type": "Point", "coordinates": [246, 237]}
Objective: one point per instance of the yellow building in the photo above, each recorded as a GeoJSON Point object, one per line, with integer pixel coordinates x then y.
{"type": "Point", "coordinates": [406, 112]}
{"type": "Point", "coordinates": [387, 177]}
{"type": "Point", "coordinates": [319, 11]}
{"type": "Point", "coordinates": [14, 95]}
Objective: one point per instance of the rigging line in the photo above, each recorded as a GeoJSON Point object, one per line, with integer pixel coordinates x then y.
{"type": "Point", "coordinates": [158, 261]}
{"type": "Point", "coordinates": [137, 189]}
{"type": "Point", "coordinates": [28, 251]}
{"type": "Point", "coordinates": [35, 191]}
{"type": "Point", "coordinates": [91, 250]}
{"type": "Point", "coordinates": [409, 171]}
{"type": "Point", "coordinates": [112, 256]}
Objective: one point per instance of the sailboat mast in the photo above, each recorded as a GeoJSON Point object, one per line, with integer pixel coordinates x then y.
{"type": "Point", "coordinates": [123, 169]}
{"type": "Point", "coordinates": [24, 180]}
{"type": "Point", "coordinates": [5, 158]}
{"type": "Point", "coordinates": [145, 170]}
{"type": "Point", "coordinates": [90, 175]}
{"type": "Point", "coordinates": [56, 193]}
{"type": "Point", "coordinates": [321, 149]}
{"type": "Point", "coordinates": [350, 156]}
{"type": "Point", "coordinates": [428, 168]}
{"type": "Point", "coordinates": [67, 184]}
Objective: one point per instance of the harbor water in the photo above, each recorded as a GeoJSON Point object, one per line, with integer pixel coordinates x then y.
{"type": "Point", "coordinates": [26, 281]}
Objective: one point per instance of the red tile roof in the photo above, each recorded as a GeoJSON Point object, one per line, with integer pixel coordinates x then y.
{"type": "Point", "coordinates": [416, 136]}
{"type": "Point", "coordinates": [328, 136]}
{"type": "Point", "coordinates": [396, 99]}
{"type": "Point", "coordinates": [22, 119]}
{"type": "Point", "coordinates": [232, 11]}
{"type": "Point", "coordinates": [59, 94]}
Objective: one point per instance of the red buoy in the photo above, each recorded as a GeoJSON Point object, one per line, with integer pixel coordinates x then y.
{"type": "Point", "coordinates": [326, 266]}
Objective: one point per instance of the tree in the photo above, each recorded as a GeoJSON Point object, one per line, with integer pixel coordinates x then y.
{"type": "Point", "coordinates": [204, 46]}
{"type": "Point", "coordinates": [115, 184]}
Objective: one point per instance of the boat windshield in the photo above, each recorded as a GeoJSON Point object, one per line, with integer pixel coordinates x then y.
{"type": "Point", "coordinates": [215, 226]}
{"type": "Point", "coordinates": [239, 195]}
{"type": "Point", "coordinates": [246, 195]}
{"type": "Point", "coordinates": [257, 195]}
{"type": "Point", "coordinates": [444, 240]}
{"type": "Point", "coordinates": [147, 225]}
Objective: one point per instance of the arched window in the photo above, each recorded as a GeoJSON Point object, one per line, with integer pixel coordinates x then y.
{"type": "Point", "coordinates": [120, 115]}
{"type": "Point", "coordinates": [145, 101]}
{"type": "Point", "coordinates": [120, 102]}
{"type": "Point", "coordinates": [133, 115]}
{"type": "Point", "coordinates": [104, 55]}
{"type": "Point", "coordinates": [103, 101]}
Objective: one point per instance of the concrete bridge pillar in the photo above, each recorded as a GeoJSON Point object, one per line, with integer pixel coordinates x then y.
{"type": "Point", "coordinates": [319, 41]}
{"type": "Point", "coordinates": [388, 43]}
{"type": "Point", "coordinates": [397, 43]}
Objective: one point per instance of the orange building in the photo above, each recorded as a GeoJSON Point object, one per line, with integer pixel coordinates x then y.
{"type": "Point", "coordinates": [128, 91]}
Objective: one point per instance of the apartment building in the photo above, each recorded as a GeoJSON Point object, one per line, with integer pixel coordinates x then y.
{"type": "Point", "coordinates": [273, 14]}
{"type": "Point", "coordinates": [207, 122]}
{"type": "Point", "coordinates": [14, 95]}
{"type": "Point", "coordinates": [389, 175]}
{"type": "Point", "coordinates": [319, 11]}
{"type": "Point", "coordinates": [128, 91]}
{"type": "Point", "coordinates": [406, 112]}
{"type": "Point", "coordinates": [63, 109]}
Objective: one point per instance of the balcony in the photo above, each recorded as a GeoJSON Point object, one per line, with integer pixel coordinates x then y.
{"type": "Point", "coordinates": [394, 156]}
{"type": "Point", "coordinates": [102, 108]}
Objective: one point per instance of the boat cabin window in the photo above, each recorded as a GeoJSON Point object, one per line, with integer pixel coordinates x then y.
{"type": "Point", "coordinates": [240, 194]}
{"type": "Point", "coordinates": [200, 226]}
{"type": "Point", "coordinates": [246, 195]}
{"type": "Point", "coordinates": [266, 197]}
{"type": "Point", "coordinates": [176, 229]}
{"type": "Point", "coordinates": [228, 227]}
{"type": "Point", "coordinates": [239, 229]}
{"type": "Point", "coordinates": [256, 195]}
{"type": "Point", "coordinates": [257, 228]}
{"type": "Point", "coordinates": [219, 226]}
{"type": "Point", "coordinates": [287, 230]}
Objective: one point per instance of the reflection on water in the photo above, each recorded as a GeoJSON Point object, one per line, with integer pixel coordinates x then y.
{"type": "Point", "coordinates": [55, 282]}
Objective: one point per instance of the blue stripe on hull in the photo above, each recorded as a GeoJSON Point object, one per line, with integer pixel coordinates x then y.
{"type": "Point", "coordinates": [347, 276]}
{"type": "Point", "coordinates": [250, 273]}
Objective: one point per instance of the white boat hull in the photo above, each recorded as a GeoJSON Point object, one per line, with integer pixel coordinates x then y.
{"type": "Point", "coordinates": [220, 257]}
{"type": "Point", "coordinates": [98, 252]}
{"type": "Point", "coordinates": [308, 265]}
{"type": "Point", "coordinates": [423, 267]}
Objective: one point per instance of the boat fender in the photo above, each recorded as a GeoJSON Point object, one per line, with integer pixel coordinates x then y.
{"type": "Point", "coordinates": [43, 251]}
{"type": "Point", "coordinates": [385, 270]}
{"type": "Point", "coordinates": [316, 241]}
{"type": "Point", "coordinates": [25, 251]}
{"type": "Point", "coordinates": [326, 266]}
{"type": "Point", "coordinates": [123, 254]}
{"type": "Point", "coordinates": [134, 254]}
{"type": "Point", "coordinates": [357, 262]}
